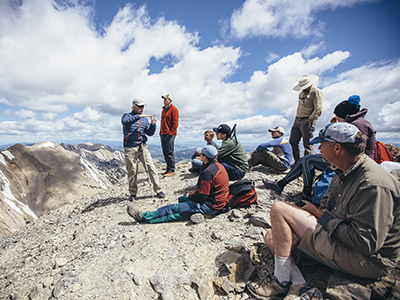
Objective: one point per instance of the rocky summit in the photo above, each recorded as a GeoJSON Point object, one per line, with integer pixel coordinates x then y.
{"type": "Point", "coordinates": [92, 249]}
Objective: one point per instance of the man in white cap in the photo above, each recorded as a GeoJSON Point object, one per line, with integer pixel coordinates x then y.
{"type": "Point", "coordinates": [279, 158]}
{"type": "Point", "coordinates": [309, 109]}
{"type": "Point", "coordinates": [355, 230]}
{"type": "Point", "coordinates": [136, 127]}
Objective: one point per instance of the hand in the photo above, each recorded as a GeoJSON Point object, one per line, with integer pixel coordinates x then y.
{"type": "Point", "coordinates": [144, 116]}
{"type": "Point", "coordinates": [334, 120]}
{"type": "Point", "coordinates": [251, 154]}
{"type": "Point", "coordinates": [310, 121]}
{"type": "Point", "coordinates": [153, 119]}
{"type": "Point", "coordinates": [312, 209]}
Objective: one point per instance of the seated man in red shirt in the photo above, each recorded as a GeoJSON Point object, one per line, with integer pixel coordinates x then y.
{"type": "Point", "coordinates": [210, 196]}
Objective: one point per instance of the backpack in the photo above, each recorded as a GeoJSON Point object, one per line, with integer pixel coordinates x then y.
{"type": "Point", "coordinates": [382, 153]}
{"type": "Point", "coordinates": [322, 185]}
{"type": "Point", "coordinates": [242, 193]}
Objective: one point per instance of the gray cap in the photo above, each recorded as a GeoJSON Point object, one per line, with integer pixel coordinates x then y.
{"type": "Point", "coordinates": [209, 151]}
{"type": "Point", "coordinates": [138, 102]}
{"type": "Point", "coordinates": [336, 132]}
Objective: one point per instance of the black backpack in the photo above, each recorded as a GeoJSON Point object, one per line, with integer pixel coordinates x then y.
{"type": "Point", "coordinates": [242, 193]}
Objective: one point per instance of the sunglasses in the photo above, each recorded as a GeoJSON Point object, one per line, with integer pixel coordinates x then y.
{"type": "Point", "coordinates": [140, 106]}
{"type": "Point", "coordinates": [326, 137]}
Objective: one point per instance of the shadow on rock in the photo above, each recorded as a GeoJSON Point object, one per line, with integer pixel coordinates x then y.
{"type": "Point", "coordinates": [103, 202]}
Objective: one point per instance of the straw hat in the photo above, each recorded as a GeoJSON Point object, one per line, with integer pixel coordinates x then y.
{"type": "Point", "coordinates": [304, 82]}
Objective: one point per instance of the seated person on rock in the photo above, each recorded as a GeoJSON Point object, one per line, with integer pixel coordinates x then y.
{"type": "Point", "coordinates": [279, 158]}
{"type": "Point", "coordinates": [231, 153]}
{"type": "Point", "coordinates": [349, 111]}
{"type": "Point", "coordinates": [346, 111]}
{"type": "Point", "coordinates": [196, 162]}
{"type": "Point", "coordinates": [210, 196]}
{"type": "Point", "coordinates": [356, 228]}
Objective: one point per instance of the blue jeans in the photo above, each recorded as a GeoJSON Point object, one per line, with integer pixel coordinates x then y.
{"type": "Point", "coordinates": [196, 163]}
{"type": "Point", "coordinates": [233, 173]}
{"type": "Point", "coordinates": [177, 212]}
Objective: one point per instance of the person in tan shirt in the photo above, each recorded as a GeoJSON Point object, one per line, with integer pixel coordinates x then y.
{"type": "Point", "coordinates": [309, 109]}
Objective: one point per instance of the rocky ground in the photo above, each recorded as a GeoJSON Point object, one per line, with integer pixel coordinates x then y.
{"type": "Point", "coordinates": [92, 249]}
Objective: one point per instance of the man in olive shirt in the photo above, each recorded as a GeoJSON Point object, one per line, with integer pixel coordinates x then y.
{"type": "Point", "coordinates": [309, 109]}
{"type": "Point", "coordinates": [356, 228]}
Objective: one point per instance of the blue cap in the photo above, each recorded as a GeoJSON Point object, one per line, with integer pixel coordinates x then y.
{"type": "Point", "coordinates": [210, 151]}
{"type": "Point", "coordinates": [336, 132]}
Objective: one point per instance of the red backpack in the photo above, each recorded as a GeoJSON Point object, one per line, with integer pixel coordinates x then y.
{"type": "Point", "coordinates": [382, 153]}
{"type": "Point", "coordinates": [242, 193]}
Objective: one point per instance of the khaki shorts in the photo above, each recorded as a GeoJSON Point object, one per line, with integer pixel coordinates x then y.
{"type": "Point", "coordinates": [317, 243]}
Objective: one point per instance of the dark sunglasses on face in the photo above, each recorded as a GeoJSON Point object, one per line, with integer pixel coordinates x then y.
{"type": "Point", "coordinates": [140, 106]}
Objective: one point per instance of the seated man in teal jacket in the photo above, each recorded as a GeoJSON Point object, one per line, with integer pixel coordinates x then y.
{"type": "Point", "coordinates": [231, 153]}
{"type": "Point", "coordinates": [281, 155]}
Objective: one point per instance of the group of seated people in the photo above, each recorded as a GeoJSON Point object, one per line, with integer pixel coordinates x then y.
{"type": "Point", "coordinates": [356, 228]}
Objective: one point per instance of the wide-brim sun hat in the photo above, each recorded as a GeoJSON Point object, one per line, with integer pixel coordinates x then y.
{"type": "Point", "coordinates": [304, 82]}
{"type": "Point", "coordinates": [167, 96]}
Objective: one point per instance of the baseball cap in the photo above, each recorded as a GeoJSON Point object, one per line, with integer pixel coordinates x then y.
{"type": "Point", "coordinates": [223, 128]}
{"type": "Point", "coordinates": [209, 151]}
{"type": "Point", "coordinates": [277, 128]}
{"type": "Point", "coordinates": [336, 132]}
{"type": "Point", "coordinates": [138, 102]}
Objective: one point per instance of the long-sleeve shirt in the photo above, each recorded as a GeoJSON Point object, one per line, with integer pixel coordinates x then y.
{"type": "Point", "coordinates": [169, 120]}
{"type": "Point", "coordinates": [135, 129]}
{"type": "Point", "coordinates": [310, 103]}
{"type": "Point", "coordinates": [232, 153]}
{"type": "Point", "coordinates": [213, 186]}
{"type": "Point", "coordinates": [282, 149]}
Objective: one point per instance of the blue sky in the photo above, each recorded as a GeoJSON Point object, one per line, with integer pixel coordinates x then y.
{"type": "Point", "coordinates": [70, 69]}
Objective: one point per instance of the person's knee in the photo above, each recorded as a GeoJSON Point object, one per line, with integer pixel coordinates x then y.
{"type": "Point", "coordinates": [279, 207]}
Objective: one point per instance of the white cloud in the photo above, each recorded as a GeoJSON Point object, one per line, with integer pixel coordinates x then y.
{"type": "Point", "coordinates": [282, 18]}
{"type": "Point", "coordinates": [25, 114]}
{"type": "Point", "coordinates": [271, 57]}
{"type": "Point", "coordinates": [71, 67]}
{"type": "Point", "coordinates": [88, 115]}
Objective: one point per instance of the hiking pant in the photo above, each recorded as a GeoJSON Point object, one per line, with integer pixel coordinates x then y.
{"type": "Point", "coordinates": [267, 158]}
{"type": "Point", "coordinates": [306, 166]}
{"type": "Point", "coordinates": [301, 128]}
{"type": "Point", "coordinates": [132, 154]}
{"type": "Point", "coordinates": [233, 173]}
{"type": "Point", "coordinates": [167, 144]}
{"type": "Point", "coordinates": [177, 212]}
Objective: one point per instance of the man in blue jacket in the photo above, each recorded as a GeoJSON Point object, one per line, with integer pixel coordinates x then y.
{"type": "Point", "coordinates": [135, 128]}
{"type": "Point", "coordinates": [279, 158]}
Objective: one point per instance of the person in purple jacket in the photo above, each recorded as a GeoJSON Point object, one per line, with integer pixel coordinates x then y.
{"type": "Point", "coordinates": [279, 158]}
{"type": "Point", "coordinates": [349, 111]}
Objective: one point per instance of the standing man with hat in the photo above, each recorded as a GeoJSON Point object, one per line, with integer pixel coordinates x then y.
{"type": "Point", "coordinates": [168, 131]}
{"type": "Point", "coordinates": [135, 128]}
{"type": "Point", "coordinates": [279, 158]}
{"type": "Point", "coordinates": [309, 109]}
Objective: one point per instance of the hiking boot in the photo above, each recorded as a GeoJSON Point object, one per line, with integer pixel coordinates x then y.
{"type": "Point", "coordinates": [301, 196]}
{"type": "Point", "coordinates": [303, 292]}
{"type": "Point", "coordinates": [160, 194]}
{"type": "Point", "coordinates": [272, 290]}
{"type": "Point", "coordinates": [132, 197]}
{"type": "Point", "coordinates": [272, 185]}
{"type": "Point", "coordinates": [193, 170]}
{"type": "Point", "coordinates": [197, 218]}
{"type": "Point", "coordinates": [134, 213]}
{"type": "Point", "coordinates": [169, 174]}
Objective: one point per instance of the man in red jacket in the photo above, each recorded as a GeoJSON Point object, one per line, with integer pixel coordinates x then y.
{"type": "Point", "coordinates": [168, 130]}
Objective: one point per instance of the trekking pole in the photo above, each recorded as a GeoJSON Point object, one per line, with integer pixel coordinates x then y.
{"type": "Point", "coordinates": [147, 171]}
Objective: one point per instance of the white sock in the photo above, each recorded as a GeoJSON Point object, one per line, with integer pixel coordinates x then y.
{"type": "Point", "coordinates": [282, 269]}
{"type": "Point", "coordinates": [295, 275]}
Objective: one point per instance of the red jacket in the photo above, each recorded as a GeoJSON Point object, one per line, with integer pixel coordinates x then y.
{"type": "Point", "coordinates": [169, 121]}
